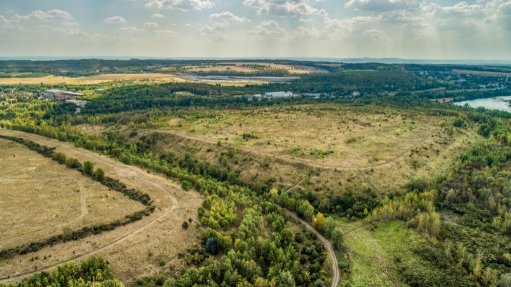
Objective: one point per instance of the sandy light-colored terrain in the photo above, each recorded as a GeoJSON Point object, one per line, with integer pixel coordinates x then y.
{"type": "Point", "coordinates": [97, 79]}
{"type": "Point", "coordinates": [138, 249]}
{"type": "Point", "coordinates": [40, 198]}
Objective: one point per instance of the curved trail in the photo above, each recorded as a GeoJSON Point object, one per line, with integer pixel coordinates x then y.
{"type": "Point", "coordinates": [288, 160]}
{"type": "Point", "coordinates": [336, 272]}
{"type": "Point", "coordinates": [148, 179]}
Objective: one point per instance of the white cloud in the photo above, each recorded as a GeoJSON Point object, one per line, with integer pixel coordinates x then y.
{"type": "Point", "coordinates": [157, 16]}
{"type": "Point", "coordinates": [219, 22]}
{"type": "Point", "coordinates": [184, 5]}
{"type": "Point", "coordinates": [503, 15]}
{"type": "Point", "coordinates": [382, 5]}
{"type": "Point", "coordinates": [42, 21]}
{"type": "Point", "coordinates": [131, 29]}
{"type": "Point", "coordinates": [46, 16]}
{"type": "Point", "coordinates": [461, 9]}
{"type": "Point", "coordinates": [151, 25]}
{"type": "Point", "coordinates": [298, 8]}
{"type": "Point", "coordinates": [268, 28]}
{"type": "Point", "coordinates": [225, 19]}
{"type": "Point", "coordinates": [115, 20]}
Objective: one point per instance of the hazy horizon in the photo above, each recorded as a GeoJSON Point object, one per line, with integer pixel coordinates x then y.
{"type": "Point", "coordinates": [312, 59]}
{"type": "Point", "coordinates": [442, 30]}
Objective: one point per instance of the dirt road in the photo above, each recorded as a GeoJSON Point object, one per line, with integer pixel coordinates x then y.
{"type": "Point", "coordinates": [125, 247]}
{"type": "Point", "coordinates": [336, 272]}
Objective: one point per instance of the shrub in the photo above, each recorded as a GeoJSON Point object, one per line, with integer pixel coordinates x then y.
{"type": "Point", "coordinates": [88, 168]}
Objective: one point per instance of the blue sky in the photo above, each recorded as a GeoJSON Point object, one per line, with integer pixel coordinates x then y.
{"type": "Point", "coordinates": [447, 29]}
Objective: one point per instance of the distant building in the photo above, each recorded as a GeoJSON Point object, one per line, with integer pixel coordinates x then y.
{"type": "Point", "coordinates": [99, 90]}
{"type": "Point", "coordinates": [59, 95]}
{"type": "Point", "coordinates": [278, 94]}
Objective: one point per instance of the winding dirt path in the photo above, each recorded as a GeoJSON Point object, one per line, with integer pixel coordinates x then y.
{"type": "Point", "coordinates": [162, 190]}
{"type": "Point", "coordinates": [336, 272]}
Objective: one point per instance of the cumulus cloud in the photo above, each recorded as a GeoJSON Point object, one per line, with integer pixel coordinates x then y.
{"type": "Point", "coordinates": [219, 22]}
{"type": "Point", "coordinates": [382, 5]}
{"type": "Point", "coordinates": [157, 16]}
{"type": "Point", "coordinates": [299, 8]}
{"type": "Point", "coordinates": [151, 25]}
{"type": "Point", "coordinates": [54, 14]}
{"type": "Point", "coordinates": [42, 21]}
{"type": "Point", "coordinates": [115, 20]}
{"type": "Point", "coordinates": [183, 5]}
{"type": "Point", "coordinates": [225, 19]}
{"type": "Point", "coordinates": [504, 14]}
{"type": "Point", "coordinates": [268, 28]}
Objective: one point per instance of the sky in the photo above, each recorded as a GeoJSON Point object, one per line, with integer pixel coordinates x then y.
{"type": "Point", "coordinates": [410, 29]}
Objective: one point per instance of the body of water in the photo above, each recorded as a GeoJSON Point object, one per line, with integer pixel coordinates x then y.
{"type": "Point", "coordinates": [496, 103]}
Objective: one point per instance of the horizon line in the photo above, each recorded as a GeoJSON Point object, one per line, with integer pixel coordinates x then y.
{"type": "Point", "coordinates": [389, 60]}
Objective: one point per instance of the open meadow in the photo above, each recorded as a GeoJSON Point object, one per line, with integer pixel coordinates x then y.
{"type": "Point", "coordinates": [41, 198]}
{"type": "Point", "coordinates": [91, 80]}
{"type": "Point", "coordinates": [327, 148]}
{"type": "Point", "coordinates": [40, 203]}
{"type": "Point", "coordinates": [330, 136]}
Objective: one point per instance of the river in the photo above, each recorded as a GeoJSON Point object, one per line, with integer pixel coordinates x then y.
{"type": "Point", "coordinates": [496, 103]}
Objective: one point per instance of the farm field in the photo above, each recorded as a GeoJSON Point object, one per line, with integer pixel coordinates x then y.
{"type": "Point", "coordinates": [41, 198]}
{"type": "Point", "coordinates": [137, 249]}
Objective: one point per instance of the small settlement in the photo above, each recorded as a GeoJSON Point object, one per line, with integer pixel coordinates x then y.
{"type": "Point", "coordinates": [67, 97]}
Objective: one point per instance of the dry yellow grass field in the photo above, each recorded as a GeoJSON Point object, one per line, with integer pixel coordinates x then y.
{"type": "Point", "coordinates": [137, 249]}
{"type": "Point", "coordinates": [325, 135]}
{"type": "Point", "coordinates": [98, 79]}
{"type": "Point", "coordinates": [40, 198]}
{"type": "Point", "coordinates": [329, 148]}
{"type": "Point", "coordinates": [132, 78]}
{"type": "Point", "coordinates": [247, 67]}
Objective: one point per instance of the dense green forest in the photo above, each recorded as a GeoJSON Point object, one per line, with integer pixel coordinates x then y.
{"type": "Point", "coordinates": [92, 272]}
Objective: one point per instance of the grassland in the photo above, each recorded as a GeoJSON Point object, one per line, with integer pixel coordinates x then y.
{"type": "Point", "coordinates": [250, 68]}
{"type": "Point", "coordinates": [91, 80]}
{"type": "Point", "coordinates": [325, 135]}
{"type": "Point", "coordinates": [329, 147]}
{"type": "Point", "coordinates": [41, 198]}
{"type": "Point", "coordinates": [138, 249]}
{"type": "Point", "coordinates": [373, 251]}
